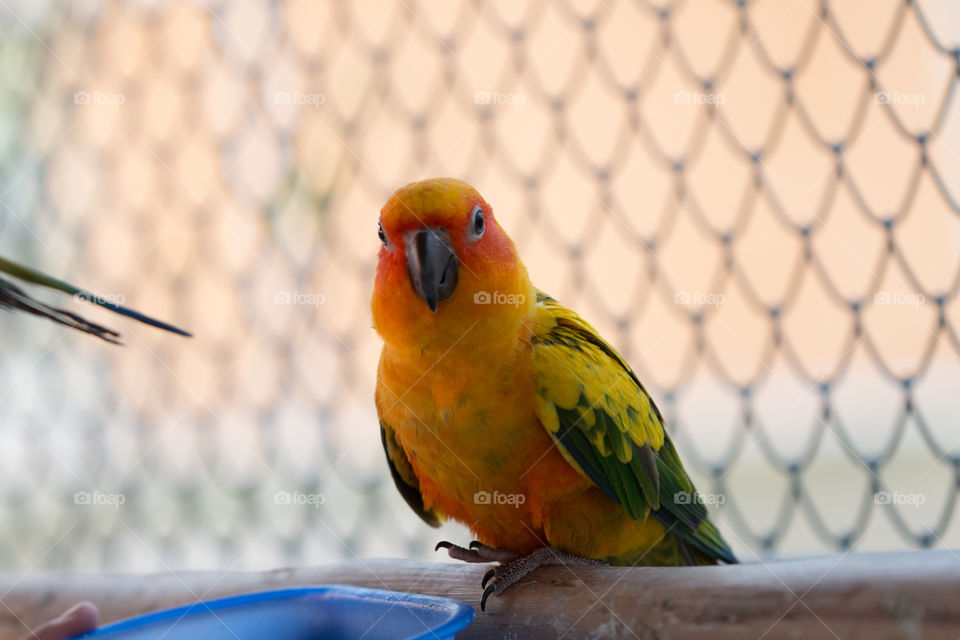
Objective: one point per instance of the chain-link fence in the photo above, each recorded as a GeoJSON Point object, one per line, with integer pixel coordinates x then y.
{"type": "Point", "coordinates": [757, 202]}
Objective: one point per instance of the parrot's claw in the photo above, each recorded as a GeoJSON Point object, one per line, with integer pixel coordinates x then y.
{"type": "Point", "coordinates": [499, 578]}
{"type": "Point", "coordinates": [478, 552]}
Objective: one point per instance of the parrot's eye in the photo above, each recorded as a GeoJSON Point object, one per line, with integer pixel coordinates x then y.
{"type": "Point", "coordinates": [381, 234]}
{"type": "Point", "coordinates": [477, 225]}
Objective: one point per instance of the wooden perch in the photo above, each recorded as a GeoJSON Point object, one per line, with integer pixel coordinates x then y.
{"type": "Point", "coordinates": [866, 595]}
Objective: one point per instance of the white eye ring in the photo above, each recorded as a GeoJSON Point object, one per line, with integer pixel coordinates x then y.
{"type": "Point", "coordinates": [477, 224]}
{"type": "Point", "coordinates": [384, 238]}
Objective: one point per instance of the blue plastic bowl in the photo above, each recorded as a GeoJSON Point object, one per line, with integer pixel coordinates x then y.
{"type": "Point", "coordinates": [330, 612]}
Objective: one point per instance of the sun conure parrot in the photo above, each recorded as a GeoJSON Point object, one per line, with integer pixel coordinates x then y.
{"type": "Point", "coordinates": [503, 410]}
{"type": "Point", "coordinates": [13, 297]}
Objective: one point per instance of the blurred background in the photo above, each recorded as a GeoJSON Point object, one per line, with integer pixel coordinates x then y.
{"type": "Point", "coordinates": [756, 201]}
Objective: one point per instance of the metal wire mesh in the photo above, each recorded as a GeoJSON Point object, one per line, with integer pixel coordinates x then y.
{"type": "Point", "coordinates": [756, 202]}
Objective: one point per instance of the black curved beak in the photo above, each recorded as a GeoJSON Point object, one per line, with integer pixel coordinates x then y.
{"type": "Point", "coordinates": [432, 264]}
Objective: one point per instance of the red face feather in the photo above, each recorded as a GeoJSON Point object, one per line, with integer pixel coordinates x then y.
{"type": "Point", "coordinates": [484, 266]}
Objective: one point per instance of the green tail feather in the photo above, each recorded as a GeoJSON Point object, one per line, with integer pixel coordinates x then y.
{"type": "Point", "coordinates": [682, 509]}
{"type": "Point", "coordinates": [13, 297]}
{"type": "Point", "coordinates": [707, 545]}
{"type": "Point", "coordinates": [32, 276]}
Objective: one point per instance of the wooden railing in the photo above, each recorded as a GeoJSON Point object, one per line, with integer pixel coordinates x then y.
{"type": "Point", "coordinates": [856, 595]}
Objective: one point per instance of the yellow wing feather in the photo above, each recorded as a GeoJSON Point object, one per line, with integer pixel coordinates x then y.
{"type": "Point", "coordinates": [607, 427]}
{"type": "Point", "coordinates": [586, 375]}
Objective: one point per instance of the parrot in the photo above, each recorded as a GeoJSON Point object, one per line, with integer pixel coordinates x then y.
{"type": "Point", "coordinates": [12, 297]}
{"type": "Point", "coordinates": [505, 411]}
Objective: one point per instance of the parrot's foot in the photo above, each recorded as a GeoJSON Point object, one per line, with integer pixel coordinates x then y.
{"type": "Point", "coordinates": [478, 552]}
{"type": "Point", "coordinates": [499, 578]}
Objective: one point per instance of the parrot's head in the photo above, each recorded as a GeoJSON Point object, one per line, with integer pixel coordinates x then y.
{"type": "Point", "coordinates": [444, 265]}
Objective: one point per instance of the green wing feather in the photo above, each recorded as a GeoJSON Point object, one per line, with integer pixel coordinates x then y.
{"type": "Point", "coordinates": [13, 297]}
{"type": "Point", "coordinates": [404, 477]}
{"type": "Point", "coordinates": [607, 427]}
